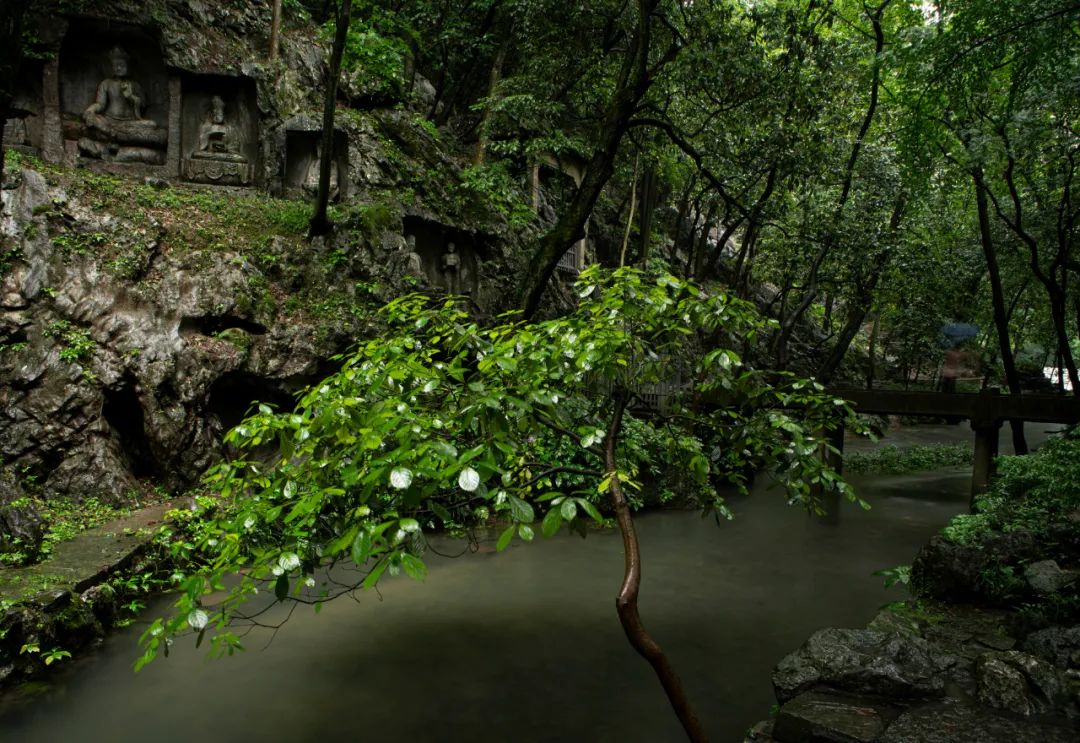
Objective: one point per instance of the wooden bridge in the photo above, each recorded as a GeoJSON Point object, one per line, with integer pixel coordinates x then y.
{"type": "Point", "coordinates": [986, 411]}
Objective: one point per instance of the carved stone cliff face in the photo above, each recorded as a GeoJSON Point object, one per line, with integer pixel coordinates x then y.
{"type": "Point", "coordinates": [108, 385]}
{"type": "Point", "coordinates": [133, 333]}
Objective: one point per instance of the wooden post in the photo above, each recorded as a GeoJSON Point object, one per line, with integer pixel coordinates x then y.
{"type": "Point", "coordinates": [986, 448]}
{"type": "Point", "coordinates": [836, 459]}
{"type": "Point", "coordinates": [830, 502]}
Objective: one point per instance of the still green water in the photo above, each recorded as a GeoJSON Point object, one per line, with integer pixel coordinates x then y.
{"type": "Point", "coordinates": [522, 645]}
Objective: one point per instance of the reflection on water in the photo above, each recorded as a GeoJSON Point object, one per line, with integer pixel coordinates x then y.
{"type": "Point", "coordinates": [523, 645]}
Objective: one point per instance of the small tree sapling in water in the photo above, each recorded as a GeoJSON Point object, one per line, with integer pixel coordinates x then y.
{"type": "Point", "coordinates": [439, 417]}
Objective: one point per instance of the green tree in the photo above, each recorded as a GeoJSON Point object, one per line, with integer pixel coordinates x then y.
{"type": "Point", "coordinates": [439, 417]}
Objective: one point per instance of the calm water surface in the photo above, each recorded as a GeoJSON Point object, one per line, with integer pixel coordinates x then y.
{"type": "Point", "coordinates": [523, 645]}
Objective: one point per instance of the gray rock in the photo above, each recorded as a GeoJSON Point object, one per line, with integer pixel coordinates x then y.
{"type": "Point", "coordinates": [946, 722]}
{"type": "Point", "coordinates": [1057, 645]}
{"type": "Point", "coordinates": [953, 572]}
{"type": "Point", "coordinates": [1020, 683]}
{"type": "Point", "coordinates": [862, 662]}
{"type": "Point", "coordinates": [946, 570]}
{"type": "Point", "coordinates": [1047, 578]}
{"type": "Point", "coordinates": [814, 717]}
{"type": "Point", "coordinates": [20, 524]}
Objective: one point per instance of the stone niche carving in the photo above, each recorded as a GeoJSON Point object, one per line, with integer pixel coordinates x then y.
{"type": "Point", "coordinates": [219, 130]}
{"type": "Point", "coordinates": [441, 256]}
{"type": "Point", "coordinates": [23, 132]}
{"type": "Point", "coordinates": [302, 150]}
{"type": "Point", "coordinates": [114, 94]}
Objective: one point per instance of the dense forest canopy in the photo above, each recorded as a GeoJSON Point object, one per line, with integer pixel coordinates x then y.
{"type": "Point", "coordinates": [876, 169]}
{"type": "Point", "coordinates": [778, 195]}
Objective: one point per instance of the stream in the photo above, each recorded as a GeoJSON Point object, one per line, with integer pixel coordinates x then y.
{"type": "Point", "coordinates": [523, 645]}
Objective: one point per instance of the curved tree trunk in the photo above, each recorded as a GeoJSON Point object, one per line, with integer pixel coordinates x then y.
{"type": "Point", "coordinates": [626, 602]}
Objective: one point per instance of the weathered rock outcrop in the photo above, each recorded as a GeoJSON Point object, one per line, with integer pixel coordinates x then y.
{"type": "Point", "coordinates": [925, 673]}
{"type": "Point", "coordinates": [862, 662]}
{"type": "Point", "coordinates": [129, 342]}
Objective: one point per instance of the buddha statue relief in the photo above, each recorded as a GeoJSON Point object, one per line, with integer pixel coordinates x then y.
{"type": "Point", "coordinates": [217, 157]}
{"type": "Point", "coordinates": [311, 176]}
{"type": "Point", "coordinates": [116, 128]}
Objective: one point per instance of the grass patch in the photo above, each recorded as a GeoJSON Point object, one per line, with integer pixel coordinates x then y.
{"type": "Point", "coordinates": [894, 460]}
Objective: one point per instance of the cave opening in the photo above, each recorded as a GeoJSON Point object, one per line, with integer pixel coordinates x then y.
{"type": "Point", "coordinates": [234, 395]}
{"type": "Point", "coordinates": [123, 413]}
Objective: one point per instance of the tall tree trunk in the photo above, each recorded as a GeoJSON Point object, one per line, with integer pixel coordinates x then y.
{"type": "Point", "coordinates": [863, 300]}
{"type": "Point", "coordinates": [320, 223]}
{"type": "Point", "coordinates": [3, 152]}
{"type": "Point", "coordinates": [1056, 292]}
{"type": "Point", "coordinates": [626, 602]}
{"type": "Point", "coordinates": [630, 216]}
{"type": "Point", "coordinates": [494, 76]}
{"type": "Point", "coordinates": [703, 242]}
{"type": "Point", "coordinates": [633, 82]}
{"type": "Point", "coordinates": [275, 30]}
{"type": "Point", "coordinates": [788, 324]}
{"type": "Point", "coordinates": [1001, 320]}
{"type": "Point", "coordinates": [870, 353]}
{"type": "Point", "coordinates": [648, 208]}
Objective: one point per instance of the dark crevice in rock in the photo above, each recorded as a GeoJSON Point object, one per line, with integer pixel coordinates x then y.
{"type": "Point", "coordinates": [214, 324]}
{"type": "Point", "coordinates": [234, 395]}
{"type": "Point", "coordinates": [9, 336]}
{"type": "Point", "coordinates": [123, 412]}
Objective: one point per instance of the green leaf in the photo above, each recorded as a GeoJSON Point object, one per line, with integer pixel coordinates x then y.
{"type": "Point", "coordinates": [526, 532]}
{"type": "Point", "coordinates": [413, 566]}
{"type": "Point", "coordinates": [520, 510]}
{"type": "Point", "coordinates": [504, 538]}
{"type": "Point", "coordinates": [376, 573]}
{"type": "Point", "coordinates": [439, 510]}
{"type": "Point", "coordinates": [590, 509]}
{"type": "Point", "coordinates": [568, 509]}
{"type": "Point", "coordinates": [281, 587]}
{"type": "Point", "coordinates": [552, 522]}
{"type": "Point", "coordinates": [361, 547]}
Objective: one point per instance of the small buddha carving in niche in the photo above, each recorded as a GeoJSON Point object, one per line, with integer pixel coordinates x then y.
{"type": "Point", "coordinates": [414, 264]}
{"type": "Point", "coordinates": [115, 125]}
{"type": "Point", "coordinates": [217, 157]}
{"type": "Point", "coordinates": [311, 177]}
{"type": "Point", "coordinates": [451, 265]}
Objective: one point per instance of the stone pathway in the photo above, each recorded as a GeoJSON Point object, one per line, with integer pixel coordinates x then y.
{"type": "Point", "coordinates": [87, 559]}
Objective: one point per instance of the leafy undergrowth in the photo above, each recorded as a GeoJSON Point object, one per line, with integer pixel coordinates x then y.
{"type": "Point", "coordinates": [62, 519]}
{"type": "Point", "coordinates": [1031, 493]}
{"type": "Point", "coordinates": [894, 460]}
{"type": "Point", "coordinates": [1030, 516]}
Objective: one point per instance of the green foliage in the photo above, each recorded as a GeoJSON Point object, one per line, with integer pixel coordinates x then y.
{"type": "Point", "coordinates": [493, 183]}
{"type": "Point", "coordinates": [894, 460]}
{"type": "Point", "coordinates": [439, 420]}
{"type": "Point", "coordinates": [1031, 492]}
{"type": "Point", "coordinates": [375, 49]}
{"type": "Point", "coordinates": [77, 347]}
{"type": "Point", "coordinates": [62, 519]}
{"type": "Point", "coordinates": [901, 575]}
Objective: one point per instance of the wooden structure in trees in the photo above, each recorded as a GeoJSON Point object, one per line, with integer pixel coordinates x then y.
{"type": "Point", "coordinates": [986, 411]}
